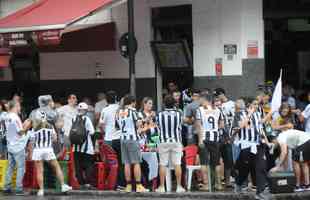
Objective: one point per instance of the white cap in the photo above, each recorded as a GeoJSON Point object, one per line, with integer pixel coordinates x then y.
{"type": "Point", "coordinates": [82, 106]}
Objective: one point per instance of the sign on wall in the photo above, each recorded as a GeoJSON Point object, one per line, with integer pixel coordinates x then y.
{"type": "Point", "coordinates": [252, 49]}
{"type": "Point", "coordinates": [40, 38]}
{"type": "Point", "coordinates": [230, 50]}
{"type": "Point", "coordinates": [46, 38]}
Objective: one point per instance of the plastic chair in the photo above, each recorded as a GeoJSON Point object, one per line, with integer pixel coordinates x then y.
{"type": "Point", "coordinates": [169, 170]}
{"type": "Point", "coordinates": [100, 175]}
{"type": "Point", "coordinates": [190, 154]}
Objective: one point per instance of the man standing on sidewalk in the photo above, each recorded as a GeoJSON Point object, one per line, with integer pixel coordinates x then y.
{"type": "Point", "coordinates": [170, 148]}
{"type": "Point", "coordinates": [16, 141]}
{"type": "Point", "coordinates": [129, 124]}
{"type": "Point", "coordinates": [111, 133]}
{"type": "Point", "coordinates": [68, 113]}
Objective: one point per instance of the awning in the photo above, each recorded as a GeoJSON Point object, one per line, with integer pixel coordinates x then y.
{"type": "Point", "coordinates": [46, 20]}
{"type": "Point", "coordinates": [5, 56]}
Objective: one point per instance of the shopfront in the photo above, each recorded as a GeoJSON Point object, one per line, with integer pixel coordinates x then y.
{"type": "Point", "coordinates": [224, 40]}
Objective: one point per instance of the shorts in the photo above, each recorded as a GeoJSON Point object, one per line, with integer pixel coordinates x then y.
{"type": "Point", "coordinates": [170, 154]}
{"type": "Point", "coordinates": [302, 153]}
{"type": "Point", "coordinates": [210, 154]}
{"type": "Point", "coordinates": [131, 153]}
{"type": "Point", "coordinates": [45, 154]}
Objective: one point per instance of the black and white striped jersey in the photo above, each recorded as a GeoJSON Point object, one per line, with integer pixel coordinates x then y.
{"type": "Point", "coordinates": [210, 119]}
{"type": "Point", "coordinates": [252, 133]}
{"type": "Point", "coordinates": [169, 122]}
{"type": "Point", "coordinates": [127, 122]}
{"type": "Point", "coordinates": [43, 138]}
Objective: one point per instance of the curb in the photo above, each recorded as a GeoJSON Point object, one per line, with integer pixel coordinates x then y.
{"type": "Point", "coordinates": [188, 195]}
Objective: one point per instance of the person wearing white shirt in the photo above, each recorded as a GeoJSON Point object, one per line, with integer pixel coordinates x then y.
{"type": "Point", "coordinates": [16, 142]}
{"type": "Point", "coordinates": [107, 124]}
{"type": "Point", "coordinates": [107, 119]}
{"type": "Point", "coordinates": [102, 103]}
{"type": "Point", "coordinates": [84, 159]}
{"type": "Point", "coordinates": [68, 113]}
{"type": "Point", "coordinates": [304, 116]}
{"type": "Point", "coordinates": [299, 142]}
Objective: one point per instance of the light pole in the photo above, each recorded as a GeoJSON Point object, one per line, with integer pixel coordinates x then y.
{"type": "Point", "coordinates": [131, 47]}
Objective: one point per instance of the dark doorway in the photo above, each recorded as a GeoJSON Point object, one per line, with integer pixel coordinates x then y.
{"type": "Point", "coordinates": [171, 24]}
{"type": "Point", "coordinates": [287, 38]}
{"type": "Point", "coordinates": [26, 75]}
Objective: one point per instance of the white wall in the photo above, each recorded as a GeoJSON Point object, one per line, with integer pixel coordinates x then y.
{"type": "Point", "coordinates": [81, 65]}
{"type": "Point", "coordinates": [114, 65]}
{"type": "Point", "coordinates": [219, 22]}
{"type": "Point", "coordinates": [252, 26]}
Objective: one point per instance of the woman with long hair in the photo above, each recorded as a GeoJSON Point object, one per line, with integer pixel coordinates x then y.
{"type": "Point", "coordinates": [43, 135]}
{"type": "Point", "coordinates": [285, 121]}
{"type": "Point", "coordinates": [149, 127]}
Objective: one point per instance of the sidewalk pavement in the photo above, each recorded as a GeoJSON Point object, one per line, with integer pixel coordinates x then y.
{"type": "Point", "coordinates": [187, 195]}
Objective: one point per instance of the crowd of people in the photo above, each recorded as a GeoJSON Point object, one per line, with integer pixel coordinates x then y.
{"type": "Point", "coordinates": [239, 142]}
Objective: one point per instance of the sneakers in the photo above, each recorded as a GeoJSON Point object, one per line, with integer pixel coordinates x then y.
{"type": "Point", "coordinates": [65, 188]}
{"type": "Point", "coordinates": [21, 193]}
{"type": "Point", "coordinates": [251, 188]}
{"type": "Point", "coordinates": [261, 196]}
{"type": "Point", "coordinates": [120, 188]}
{"type": "Point", "coordinates": [306, 187]}
{"type": "Point", "coordinates": [7, 192]}
{"type": "Point", "coordinates": [160, 190]}
{"type": "Point", "coordinates": [141, 189]}
{"type": "Point", "coordinates": [219, 187]}
{"type": "Point", "coordinates": [128, 188]}
{"type": "Point", "coordinates": [89, 187]}
{"type": "Point", "coordinates": [180, 189]}
{"type": "Point", "coordinates": [40, 193]}
{"type": "Point", "coordinates": [298, 189]}
{"type": "Point", "coordinates": [204, 188]}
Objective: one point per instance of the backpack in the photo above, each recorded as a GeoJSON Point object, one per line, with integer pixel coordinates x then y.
{"type": "Point", "coordinates": [78, 132]}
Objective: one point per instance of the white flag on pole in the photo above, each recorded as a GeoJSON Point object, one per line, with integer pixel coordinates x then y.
{"type": "Point", "coordinates": [277, 95]}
